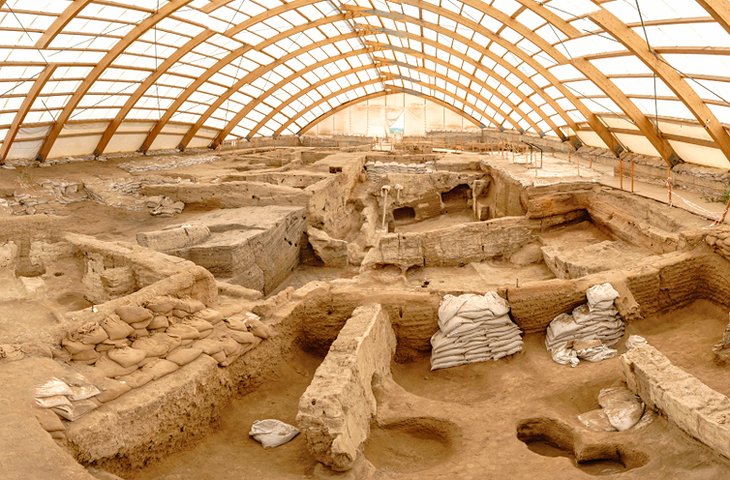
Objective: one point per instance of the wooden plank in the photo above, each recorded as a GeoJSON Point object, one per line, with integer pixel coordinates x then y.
{"type": "Point", "coordinates": [101, 67]}
{"type": "Point", "coordinates": [667, 74]}
{"type": "Point", "coordinates": [25, 107]}
{"type": "Point", "coordinates": [60, 22]}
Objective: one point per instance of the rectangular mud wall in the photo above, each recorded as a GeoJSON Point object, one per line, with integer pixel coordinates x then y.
{"type": "Point", "coordinates": [682, 398]}
{"type": "Point", "coordinates": [324, 311]}
{"type": "Point", "coordinates": [328, 209]}
{"type": "Point", "coordinates": [675, 280]}
{"type": "Point", "coordinates": [336, 409]}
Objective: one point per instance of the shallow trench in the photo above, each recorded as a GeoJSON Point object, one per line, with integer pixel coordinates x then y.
{"type": "Point", "coordinates": [454, 423]}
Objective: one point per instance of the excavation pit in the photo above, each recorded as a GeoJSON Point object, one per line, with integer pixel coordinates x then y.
{"type": "Point", "coordinates": [304, 248]}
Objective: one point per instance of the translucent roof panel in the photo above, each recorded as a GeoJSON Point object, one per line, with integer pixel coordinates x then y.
{"type": "Point", "coordinates": [246, 68]}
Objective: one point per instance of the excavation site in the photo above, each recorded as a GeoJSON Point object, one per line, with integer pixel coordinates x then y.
{"type": "Point", "coordinates": [364, 240]}
{"type": "Point", "coordinates": [371, 314]}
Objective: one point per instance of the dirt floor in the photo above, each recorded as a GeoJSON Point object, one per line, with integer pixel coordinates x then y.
{"type": "Point", "coordinates": [442, 221]}
{"type": "Point", "coordinates": [686, 337]}
{"type": "Point", "coordinates": [461, 423]}
{"type": "Point", "coordinates": [229, 453]}
{"type": "Point", "coordinates": [444, 424]}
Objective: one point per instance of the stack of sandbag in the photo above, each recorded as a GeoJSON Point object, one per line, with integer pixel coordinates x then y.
{"type": "Point", "coordinates": [69, 401]}
{"type": "Point", "coordinates": [139, 344]}
{"type": "Point", "coordinates": [589, 331]}
{"type": "Point", "coordinates": [473, 328]}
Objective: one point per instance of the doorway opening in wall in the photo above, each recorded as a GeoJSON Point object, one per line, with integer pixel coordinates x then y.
{"type": "Point", "coordinates": [404, 215]}
{"type": "Point", "coordinates": [456, 199]}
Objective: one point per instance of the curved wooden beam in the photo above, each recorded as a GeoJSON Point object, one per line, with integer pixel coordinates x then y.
{"type": "Point", "coordinates": [99, 69]}
{"type": "Point", "coordinates": [60, 22]}
{"type": "Point", "coordinates": [645, 126]}
{"type": "Point", "coordinates": [385, 93]}
{"type": "Point", "coordinates": [225, 61]}
{"type": "Point", "coordinates": [586, 68]}
{"type": "Point", "coordinates": [259, 72]}
{"type": "Point", "coordinates": [371, 82]}
{"type": "Point", "coordinates": [446, 79]}
{"type": "Point", "coordinates": [169, 62]}
{"type": "Point", "coordinates": [148, 82]}
{"type": "Point", "coordinates": [25, 107]}
{"type": "Point", "coordinates": [393, 91]}
{"type": "Point", "coordinates": [529, 82]}
{"type": "Point", "coordinates": [603, 132]}
{"type": "Point", "coordinates": [719, 10]}
{"type": "Point", "coordinates": [673, 79]}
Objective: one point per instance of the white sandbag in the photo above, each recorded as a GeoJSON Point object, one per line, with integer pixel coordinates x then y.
{"type": "Point", "coordinates": [54, 401]}
{"type": "Point", "coordinates": [622, 407]}
{"type": "Point", "coordinates": [601, 294]}
{"type": "Point", "coordinates": [52, 388]}
{"type": "Point", "coordinates": [76, 410]}
{"type": "Point", "coordinates": [272, 433]}
{"type": "Point", "coordinates": [489, 305]}
{"type": "Point", "coordinates": [597, 354]}
{"type": "Point", "coordinates": [83, 392]}
{"type": "Point", "coordinates": [635, 341]}
{"type": "Point", "coordinates": [565, 356]}
{"type": "Point", "coordinates": [449, 307]}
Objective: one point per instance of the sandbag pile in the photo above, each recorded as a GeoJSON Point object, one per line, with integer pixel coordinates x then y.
{"type": "Point", "coordinates": [137, 344]}
{"type": "Point", "coordinates": [473, 328]}
{"type": "Point", "coordinates": [68, 400]}
{"type": "Point", "coordinates": [589, 331]}
{"type": "Point", "coordinates": [620, 410]}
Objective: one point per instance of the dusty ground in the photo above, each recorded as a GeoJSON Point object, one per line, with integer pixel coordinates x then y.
{"type": "Point", "coordinates": [458, 424]}
{"type": "Point", "coordinates": [229, 453]}
{"type": "Point", "coordinates": [477, 439]}
{"type": "Point", "coordinates": [686, 337]}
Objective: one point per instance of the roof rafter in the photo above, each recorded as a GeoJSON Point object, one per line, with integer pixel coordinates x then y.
{"type": "Point", "coordinates": [30, 98]}
{"type": "Point", "coordinates": [101, 67]}
{"type": "Point", "coordinates": [316, 85]}
{"type": "Point", "coordinates": [650, 131]}
{"type": "Point", "coordinates": [354, 86]}
{"type": "Point", "coordinates": [222, 63]}
{"type": "Point", "coordinates": [719, 10]}
{"type": "Point", "coordinates": [602, 130]}
{"type": "Point", "coordinates": [60, 22]}
{"type": "Point", "coordinates": [371, 96]}
{"type": "Point", "coordinates": [529, 82]}
{"type": "Point", "coordinates": [667, 74]}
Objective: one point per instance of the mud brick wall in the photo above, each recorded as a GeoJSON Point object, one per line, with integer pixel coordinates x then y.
{"type": "Point", "coordinates": [327, 208]}
{"type": "Point", "coordinates": [324, 311]}
{"type": "Point", "coordinates": [336, 409]}
{"type": "Point", "coordinates": [230, 194]}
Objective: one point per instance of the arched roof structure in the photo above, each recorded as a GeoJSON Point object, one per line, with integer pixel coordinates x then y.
{"type": "Point", "coordinates": [96, 76]}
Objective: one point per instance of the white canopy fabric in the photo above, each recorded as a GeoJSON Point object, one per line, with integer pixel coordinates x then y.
{"type": "Point", "coordinates": [99, 76]}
